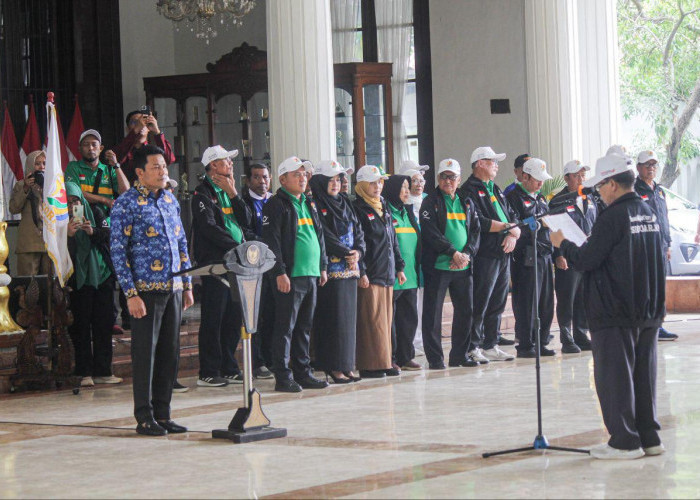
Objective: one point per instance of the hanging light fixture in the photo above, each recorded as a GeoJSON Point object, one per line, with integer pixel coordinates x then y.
{"type": "Point", "coordinates": [201, 16]}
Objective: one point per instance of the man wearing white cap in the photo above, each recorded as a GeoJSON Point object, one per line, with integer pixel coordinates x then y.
{"type": "Point", "coordinates": [527, 201]}
{"type": "Point", "coordinates": [220, 219]}
{"type": "Point", "coordinates": [292, 230]}
{"type": "Point", "coordinates": [624, 300]}
{"type": "Point", "coordinates": [100, 183]}
{"type": "Point", "coordinates": [492, 262]}
{"type": "Point", "coordinates": [568, 283]}
{"type": "Point", "coordinates": [450, 234]}
{"type": "Point", "coordinates": [654, 196]}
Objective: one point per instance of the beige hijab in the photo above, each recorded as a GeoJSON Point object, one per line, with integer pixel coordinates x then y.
{"type": "Point", "coordinates": [375, 203]}
{"type": "Point", "coordinates": [29, 162]}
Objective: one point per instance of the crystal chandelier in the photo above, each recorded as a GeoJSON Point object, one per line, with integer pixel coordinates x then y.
{"type": "Point", "coordinates": [200, 16]}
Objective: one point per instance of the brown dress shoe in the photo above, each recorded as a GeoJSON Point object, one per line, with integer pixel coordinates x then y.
{"type": "Point", "coordinates": [412, 366]}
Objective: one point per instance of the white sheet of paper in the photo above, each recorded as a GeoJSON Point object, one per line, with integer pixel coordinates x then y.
{"type": "Point", "coordinates": [567, 225]}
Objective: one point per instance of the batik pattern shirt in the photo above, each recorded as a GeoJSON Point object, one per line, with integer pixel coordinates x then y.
{"type": "Point", "coordinates": [148, 242]}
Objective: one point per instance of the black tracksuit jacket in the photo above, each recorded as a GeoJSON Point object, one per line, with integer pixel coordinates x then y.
{"type": "Point", "coordinates": [656, 200]}
{"type": "Point", "coordinates": [583, 219]}
{"type": "Point", "coordinates": [475, 191]}
{"type": "Point", "coordinates": [210, 238]}
{"type": "Point", "coordinates": [526, 206]}
{"type": "Point", "coordinates": [623, 266]}
{"type": "Point", "coordinates": [433, 220]}
{"type": "Point", "coordinates": [280, 232]}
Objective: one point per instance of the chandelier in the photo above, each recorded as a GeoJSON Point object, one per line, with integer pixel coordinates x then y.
{"type": "Point", "coordinates": [201, 16]}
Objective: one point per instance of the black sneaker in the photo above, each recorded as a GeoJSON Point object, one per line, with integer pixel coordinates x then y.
{"type": "Point", "coordinates": [178, 387]}
{"type": "Point", "coordinates": [372, 373]}
{"type": "Point", "coordinates": [505, 341]}
{"type": "Point", "coordinates": [437, 366]}
{"type": "Point", "coordinates": [530, 353]}
{"type": "Point", "coordinates": [667, 336]}
{"type": "Point", "coordinates": [311, 382]}
{"type": "Point", "coordinates": [394, 371]}
{"type": "Point", "coordinates": [570, 348]}
{"type": "Point", "coordinates": [583, 342]}
{"type": "Point", "coordinates": [212, 382]}
{"type": "Point", "coordinates": [287, 385]}
{"type": "Point", "coordinates": [234, 379]}
{"type": "Point", "coordinates": [546, 352]}
{"type": "Point", "coordinates": [150, 428]}
{"type": "Point", "coordinates": [467, 363]}
{"type": "Point", "coordinates": [262, 372]}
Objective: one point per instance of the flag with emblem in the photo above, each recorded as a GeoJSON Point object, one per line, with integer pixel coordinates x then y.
{"type": "Point", "coordinates": [11, 167]}
{"type": "Point", "coordinates": [55, 213]}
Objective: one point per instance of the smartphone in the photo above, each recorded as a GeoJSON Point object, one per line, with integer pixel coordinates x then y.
{"type": "Point", "coordinates": [78, 214]}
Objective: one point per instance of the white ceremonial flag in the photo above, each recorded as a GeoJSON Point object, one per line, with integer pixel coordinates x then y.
{"type": "Point", "coordinates": [55, 210]}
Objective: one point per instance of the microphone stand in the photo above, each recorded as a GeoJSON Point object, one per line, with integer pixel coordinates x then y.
{"type": "Point", "coordinates": [540, 442]}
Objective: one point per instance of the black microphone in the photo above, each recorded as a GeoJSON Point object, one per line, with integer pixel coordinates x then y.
{"type": "Point", "coordinates": [572, 196]}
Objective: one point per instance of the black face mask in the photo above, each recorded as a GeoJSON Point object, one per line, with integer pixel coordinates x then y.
{"type": "Point", "coordinates": [39, 179]}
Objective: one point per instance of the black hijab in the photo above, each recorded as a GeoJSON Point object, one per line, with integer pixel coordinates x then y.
{"type": "Point", "coordinates": [338, 207]}
{"type": "Point", "coordinates": [392, 190]}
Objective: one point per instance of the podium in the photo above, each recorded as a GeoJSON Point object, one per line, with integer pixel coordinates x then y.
{"type": "Point", "coordinates": [242, 271]}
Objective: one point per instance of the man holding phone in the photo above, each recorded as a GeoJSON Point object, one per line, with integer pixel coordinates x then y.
{"type": "Point", "coordinates": [140, 124]}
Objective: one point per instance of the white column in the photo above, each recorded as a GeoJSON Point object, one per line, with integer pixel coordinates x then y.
{"type": "Point", "coordinates": [300, 80]}
{"type": "Point", "coordinates": [553, 92]}
{"type": "Point", "coordinates": [600, 96]}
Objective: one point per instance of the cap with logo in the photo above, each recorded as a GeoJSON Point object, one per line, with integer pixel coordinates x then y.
{"type": "Point", "coordinates": [171, 183]}
{"type": "Point", "coordinates": [617, 149]}
{"type": "Point", "coordinates": [520, 160]}
{"type": "Point", "coordinates": [537, 169]}
{"type": "Point", "coordinates": [411, 165]}
{"type": "Point", "coordinates": [292, 164]}
{"type": "Point", "coordinates": [646, 156]}
{"type": "Point", "coordinates": [331, 168]}
{"type": "Point", "coordinates": [607, 166]}
{"type": "Point", "coordinates": [411, 172]}
{"type": "Point", "coordinates": [92, 132]}
{"type": "Point", "coordinates": [486, 153]}
{"type": "Point", "coordinates": [574, 166]}
{"type": "Point", "coordinates": [370, 173]}
{"type": "Point", "coordinates": [450, 165]}
{"type": "Point", "coordinates": [214, 153]}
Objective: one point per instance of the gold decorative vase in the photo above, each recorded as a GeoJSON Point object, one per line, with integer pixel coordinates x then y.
{"type": "Point", "coordinates": [7, 324]}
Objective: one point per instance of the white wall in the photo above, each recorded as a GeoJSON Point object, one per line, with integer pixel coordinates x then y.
{"type": "Point", "coordinates": [478, 54]}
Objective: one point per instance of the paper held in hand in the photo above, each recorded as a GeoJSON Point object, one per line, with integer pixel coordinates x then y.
{"type": "Point", "coordinates": [567, 225]}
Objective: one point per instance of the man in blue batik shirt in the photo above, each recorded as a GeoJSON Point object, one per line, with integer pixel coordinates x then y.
{"type": "Point", "coordinates": [149, 245]}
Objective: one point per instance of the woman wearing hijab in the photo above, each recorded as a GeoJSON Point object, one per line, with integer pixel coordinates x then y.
{"type": "Point", "coordinates": [336, 311]}
{"type": "Point", "coordinates": [93, 284]}
{"type": "Point", "coordinates": [403, 329]}
{"type": "Point", "coordinates": [26, 199]}
{"type": "Point", "coordinates": [379, 269]}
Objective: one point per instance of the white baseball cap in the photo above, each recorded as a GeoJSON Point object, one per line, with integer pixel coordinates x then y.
{"type": "Point", "coordinates": [646, 156]}
{"type": "Point", "coordinates": [88, 132]}
{"type": "Point", "coordinates": [411, 165]}
{"type": "Point", "coordinates": [411, 172]}
{"type": "Point", "coordinates": [536, 168]}
{"type": "Point", "coordinates": [573, 166]}
{"type": "Point", "coordinates": [171, 182]}
{"type": "Point", "coordinates": [292, 164]}
{"type": "Point", "coordinates": [617, 149]}
{"type": "Point", "coordinates": [370, 173]}
{"type": "Point", "coordinates": [214, 153]}
{"type": "Point", "coordinates": [450, 165]}
{"type": "Point", "coordinates": [331, 168]}
{"type": "Point", "coordinates": [607, 166]}
{"type": "Point", "coordinates": [486, 153]}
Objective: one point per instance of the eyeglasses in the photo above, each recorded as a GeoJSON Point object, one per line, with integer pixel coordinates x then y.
{"type": "Point", "coordinates": [418, 182]}
{"type": "Point", "coordinates": [601, 184]}
{"type": "Point", "coordinates": [448, 177]}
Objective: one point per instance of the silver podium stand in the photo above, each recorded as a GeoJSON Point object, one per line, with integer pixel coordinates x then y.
{"type": "Point", "coordinates": [242, 270]}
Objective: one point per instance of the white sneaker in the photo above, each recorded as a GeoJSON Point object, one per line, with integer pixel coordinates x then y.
{"type": "Point", "coordinates": [496, 354]}
{"type": "Point", "coordinates": [107, 380]}
{"type": "Point", "coordinates": [86, 382]}
{"type": "Point", "coordinates": [653, 451]}
{"type": "Point", "coordinates": [477, 355]}
{"type": "Point", "coordinates": [607, 452]}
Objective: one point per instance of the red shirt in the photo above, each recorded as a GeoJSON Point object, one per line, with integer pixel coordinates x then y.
{"type": "Point", "coordinates": [125, 152]}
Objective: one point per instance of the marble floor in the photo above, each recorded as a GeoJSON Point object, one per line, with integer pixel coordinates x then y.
{"type": "Point", "coordinates": [415, 436]}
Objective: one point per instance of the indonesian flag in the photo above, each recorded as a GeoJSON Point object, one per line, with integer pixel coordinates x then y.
{"type": "Point", "coordinates": [54, 213]}
{"type": "Point", "coordinates": [31, 141]}
{"type": "Point", "coordinates": [62, 142]}
{"type": "Point", "coordinates": [73, 138]}
{"type": "Point", "coordinates": [12, 170]}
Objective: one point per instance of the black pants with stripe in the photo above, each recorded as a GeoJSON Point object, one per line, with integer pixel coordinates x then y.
{"type": "Point", "coordinates": [403, 328]}
{"type": "Point", "coordinates": [491, 282]}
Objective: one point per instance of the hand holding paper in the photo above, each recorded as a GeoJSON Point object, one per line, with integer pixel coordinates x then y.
{"type": "Point", "coordinates": [563, 227]}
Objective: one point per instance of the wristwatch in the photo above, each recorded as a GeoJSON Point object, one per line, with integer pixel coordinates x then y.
{"type": "Point", "coordinates": [117, 165]}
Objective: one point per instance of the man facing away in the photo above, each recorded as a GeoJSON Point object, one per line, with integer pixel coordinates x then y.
{"type": "Point", "coordinates": [624, 297]}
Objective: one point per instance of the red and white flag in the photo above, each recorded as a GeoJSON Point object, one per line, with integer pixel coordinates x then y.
{"type": "Point", "coordinates": [12, 170]}
{"type": "Point", "coordinates": [31, 141]}
{"type": "Point", "coordinates": [73, 138]}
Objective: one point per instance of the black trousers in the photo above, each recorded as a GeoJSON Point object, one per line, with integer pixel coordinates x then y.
{"type": "Point", "coordinates": [524, 287]}
{"type": "Point", "coordinates": [219, 330]}
{"type": "Point", "coordinates": [91, 331]}
{"type": "Point", "coordinates": [624, 368]}
{"type": "Point", "coordinates": [294, 315]}
{"type": "Point", "coordinates": [155, 342]}
{"type": "Point", "coordinates": [403, 328]}
{"type": "Point", "coordinates": [491, 282]}
{"type": "Point", "coordinates": [459, 283]}
{"type": "Point", "coordinates": [568, 286]}
{"type": "Point", "coordinates": [261, 342]}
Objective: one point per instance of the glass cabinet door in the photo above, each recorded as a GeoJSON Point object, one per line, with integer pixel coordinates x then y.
{"type": "Point", "coordinates": [227, 129]}
{"type": "Point", "coordinates": [196, 134]}
{"type": "Point", "coordinates": [257, 149]}
{"type": "Point", "coordinates": [344, 136]}
{"type": "Point", "coordinates": [165, 111]}
{"type": "Point", "coordinates": [375, 133]}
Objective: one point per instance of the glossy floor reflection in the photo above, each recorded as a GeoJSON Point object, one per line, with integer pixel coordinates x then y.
{"type": "Point", "coordinates": [416, 436]}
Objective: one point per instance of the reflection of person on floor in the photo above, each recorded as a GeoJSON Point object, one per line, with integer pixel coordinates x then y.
{"type": "Point", "coordinates": [624, 277]}
{"type": "Point", "coordinates": [149, 245]}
